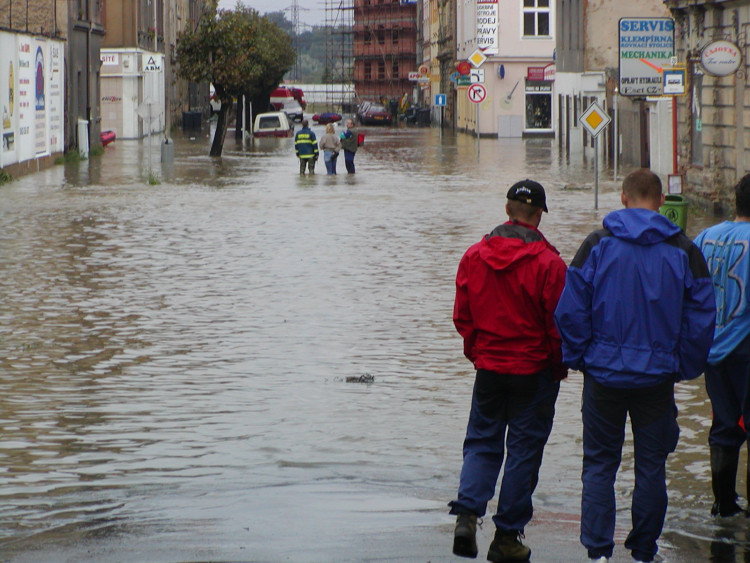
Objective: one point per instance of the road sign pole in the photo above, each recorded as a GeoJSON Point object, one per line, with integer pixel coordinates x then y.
{"type": "Point", "coordinates": [596, 172]}
{"type": "Point", "coordinates": [674, 134]}
{"type": "Point", "coordinates": [478, 143]}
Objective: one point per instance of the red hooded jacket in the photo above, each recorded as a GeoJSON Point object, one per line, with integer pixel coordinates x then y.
{"type": "Point", "coordinates": [507, 288]}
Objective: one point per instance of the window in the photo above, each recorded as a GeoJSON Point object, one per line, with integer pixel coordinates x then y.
{"type": "Point", "coordinates": [395, 69]}
{"type": "Point", "coordinates": [381, 70]}
{"type": "Point", "coordinates": [368, 70]}
{"type": "Point", "coordinates": [536, 18]}
{"type": "Point", "coordinates": [395, 36]}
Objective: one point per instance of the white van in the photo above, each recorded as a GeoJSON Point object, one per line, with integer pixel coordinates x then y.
{"type": "Point", "coordinates": [273, 124]}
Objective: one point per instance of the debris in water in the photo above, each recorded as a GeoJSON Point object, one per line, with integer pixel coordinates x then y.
{"type": "Point", "coordinates": [364, 378]}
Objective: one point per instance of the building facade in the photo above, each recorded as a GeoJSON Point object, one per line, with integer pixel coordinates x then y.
{"type": "Point", "coordinates": [33, 59]}
{"type": "Point", "coordinates": [587, 63]}
{"type": "Point", "coordinates": [713, 126]}
{"type": "Point", "coordinates": [517, 38]}
{"type": "Point", "coordinates": [384, 47]}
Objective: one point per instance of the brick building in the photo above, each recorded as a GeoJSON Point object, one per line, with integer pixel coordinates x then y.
{"type": "Point", "coordinates": [385, 48]}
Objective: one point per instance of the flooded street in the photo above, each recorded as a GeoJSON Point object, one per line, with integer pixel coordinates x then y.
{"type": "Point", "coordinates": [175, 357]}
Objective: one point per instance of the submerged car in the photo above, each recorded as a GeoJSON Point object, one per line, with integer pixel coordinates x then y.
{"type": "Point", "coordinates": [326, 117]}
{"type": "Point", "coordinates": [374, 114]}
{"type": "Point", "coordinates": [292, 109]}
{"type": "Point", "coordinates": [273, 124]}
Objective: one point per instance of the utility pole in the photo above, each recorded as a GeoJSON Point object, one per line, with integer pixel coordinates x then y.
{"type": "Point", "coordinates": [296, 27]}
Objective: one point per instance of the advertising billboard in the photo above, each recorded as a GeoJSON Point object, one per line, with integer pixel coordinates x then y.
{"type": "Point", "coordinates": [31, 97]}
{"type": "Point", "coordinates": [646, 47]}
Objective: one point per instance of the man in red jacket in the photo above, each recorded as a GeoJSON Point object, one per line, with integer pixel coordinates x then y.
{"type": "Point", "coordinates": [507, 288]}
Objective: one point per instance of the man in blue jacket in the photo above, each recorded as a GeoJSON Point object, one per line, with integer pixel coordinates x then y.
{"type": "Point", "coordinates": [726, 247]}
{"type": "Point", "coordinates": [636, 315]}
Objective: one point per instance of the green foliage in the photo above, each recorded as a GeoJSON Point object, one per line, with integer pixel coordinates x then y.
{"type": "Point", "coordinates": [239, 51]}
{"type": "Point", "coordinates": [5, 177]}
{"type": "Point", "coordinates": [70, 156]}
{"type": "Point", "coordinates": [96, 151]}
{"type": "Point", "coordinates": [153, 180]}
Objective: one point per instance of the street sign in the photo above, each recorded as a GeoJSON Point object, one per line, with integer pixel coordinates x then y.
{"type": "Point", "coordinates": [440, 100]}
{"type": "Point", "coordinates": [454, 77]}
{"type": "Point", "coordinates": [464, 68]}
{"type": "Point", "coordinates": [646, 47]}
{"type": "Point", "coordinates": [477, 75]}
{"type": "Point", "coordinates": [477, 58]}
{"type": "Point", "coordinates": [594, 119]}
{"type": "Point", "coordinates": [414, 76]}
{"type": "Point", "coordinates": [674, 81]}
{"type": "Point", "coordinates": [464, 81]}
{"type": "Point", "coordinates": [476, 93]}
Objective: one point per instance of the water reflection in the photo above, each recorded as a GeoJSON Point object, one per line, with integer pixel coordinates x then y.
{"type": "Point", "coordinates": [175, 355]}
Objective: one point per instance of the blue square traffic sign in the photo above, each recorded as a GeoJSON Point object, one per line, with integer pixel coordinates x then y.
{"type": "Point", "coordinates": [440, 99]}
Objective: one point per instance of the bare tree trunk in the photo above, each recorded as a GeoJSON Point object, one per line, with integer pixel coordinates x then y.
{"type": "Point", "coordinates": [221, 128]}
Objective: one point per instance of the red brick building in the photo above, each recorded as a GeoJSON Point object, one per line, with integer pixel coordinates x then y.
{"type": "Point", "coordinates": [385, 48]}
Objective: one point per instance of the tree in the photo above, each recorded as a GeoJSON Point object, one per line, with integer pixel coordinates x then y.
{"type": "Point", "coordinates": [241, 52]}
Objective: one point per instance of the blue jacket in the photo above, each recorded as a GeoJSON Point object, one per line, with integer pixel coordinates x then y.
{"type": "Point", "coordinates": [305, 144]}
{"type": "Point", "coordinates": [638, 305]}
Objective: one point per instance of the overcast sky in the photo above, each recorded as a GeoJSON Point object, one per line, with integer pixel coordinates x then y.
{"type": "Point", "coordinates": [311, 12]}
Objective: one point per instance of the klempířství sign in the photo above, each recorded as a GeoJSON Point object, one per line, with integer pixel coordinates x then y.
{"type": "Point", "coordinates": [646, 47]}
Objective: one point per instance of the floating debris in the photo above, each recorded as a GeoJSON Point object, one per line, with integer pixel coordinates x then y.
{"type": "Point", "coordinates": [364, 378]}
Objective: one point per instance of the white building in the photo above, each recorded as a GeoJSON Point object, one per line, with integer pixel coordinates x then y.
{"type": "Point", "coordinates": [518, 39]}
{"type": "Point", "coordinates": [132, 79]}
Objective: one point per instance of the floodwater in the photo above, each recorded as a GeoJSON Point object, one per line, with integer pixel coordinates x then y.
{"type": "Point", "coordinates": [175, 357]}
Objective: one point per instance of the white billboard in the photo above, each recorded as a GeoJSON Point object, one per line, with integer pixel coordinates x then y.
{"type": "Point", "coordinates": [31, 97]}
{"type": "Point", "coordinates": [487, 36]}
{"type": "Point", "coordinates": [646, 47]}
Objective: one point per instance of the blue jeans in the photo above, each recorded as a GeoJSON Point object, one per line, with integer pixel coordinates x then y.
{"type": "Point", "coordinates": [653, 417]}
{"type": "Point", "coordinates": [513, 413]}
{"type": "Point", "coordinates": [329, 157]}
{"type": "Point", "coordinates": [728, 387]}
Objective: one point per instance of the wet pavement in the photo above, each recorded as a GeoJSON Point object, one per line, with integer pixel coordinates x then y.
{"type": "Point", "coordinates": [175, 357]}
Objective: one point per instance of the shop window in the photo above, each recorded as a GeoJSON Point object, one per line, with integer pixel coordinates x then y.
{"type": "Point", "coordinates": [538, 111]}
{"type": "Point", "coordinates": [536, 16]}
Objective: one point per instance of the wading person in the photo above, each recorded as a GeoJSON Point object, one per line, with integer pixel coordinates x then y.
{"type": "Point", "coordinates": [636, 315]}
{"type": "Point", "coordinates": [349, 142]}
{"type": "Point", "coordinates": [507, 288]}
{"type": "Point", "coordinates": [306, 148]}
{"type": "Point", "coordinates": [726, 248]}
{"type": "Point", "coordinates": [331, 146]}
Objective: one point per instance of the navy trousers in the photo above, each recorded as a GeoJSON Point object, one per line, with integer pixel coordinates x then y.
{"type": "Point", "coordinates": [728, 387]}
{"type": "Point", "coordinates": [510, 413]}
{"type": "Point", "coordinates": [653, 418]}
{"type": "Point", "coordinates": [349, 161]}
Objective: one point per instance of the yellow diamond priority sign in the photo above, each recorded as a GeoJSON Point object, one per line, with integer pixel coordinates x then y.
{"type": "Point", "coordinates": [594, 119]}
{"type": "Point", "coordinates": [477, 58]}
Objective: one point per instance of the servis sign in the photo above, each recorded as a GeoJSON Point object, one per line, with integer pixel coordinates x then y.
{"type": "Point", "coordinates": [721, 58]}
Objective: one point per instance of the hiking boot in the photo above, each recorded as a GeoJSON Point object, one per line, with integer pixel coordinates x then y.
{"type": "Point", "coordinates": [507, 547]}
{"type": "Point", "coordinates": [465, 536]}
